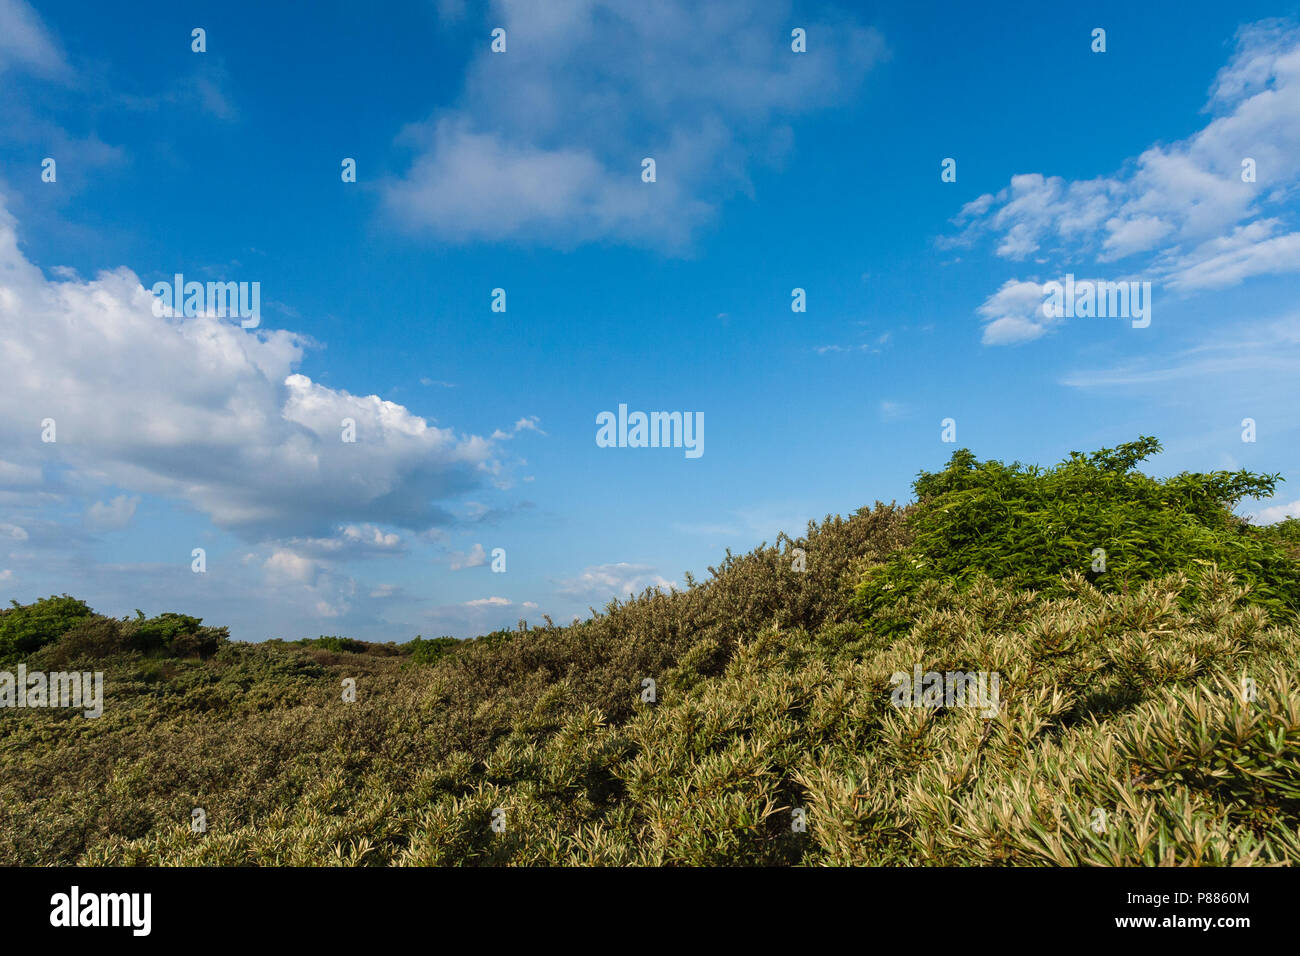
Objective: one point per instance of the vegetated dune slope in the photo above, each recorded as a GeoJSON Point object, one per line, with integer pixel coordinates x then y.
{"type": "Point", "coordinates": [1147, 710]}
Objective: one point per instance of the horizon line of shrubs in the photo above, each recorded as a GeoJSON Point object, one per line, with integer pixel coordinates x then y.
{"type": "Point", "coordinates": [64, 628]}
{"type": "Point", "coordinates": [1025, 526]}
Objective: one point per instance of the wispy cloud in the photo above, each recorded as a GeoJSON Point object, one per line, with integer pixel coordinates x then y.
{"type": "Point", "coordinates": [754, 524]}
{"type": "Point", "coordinates": [606, 581]}
{"type": "Point", "coordinates": [547, 141]}
{"type": "Point", "coordinates": [26, 44]}
{"type": "Point", "coordinates": [1229, 359]}
{"type": "Point", "coordinates": [206, 90]}
{"type": "Point", "coordinates": [529, 423]}
{"type": "Point", "coordinates": [476, 557]}
{"type": "Point", "coordinates": [112, 515]}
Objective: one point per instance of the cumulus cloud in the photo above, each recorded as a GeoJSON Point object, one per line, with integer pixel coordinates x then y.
{"type": "Point", "coordinates": [1015, 313]}
{"type": "Point", "coordinates": [1182, 206]}
{"type": "Point", "coordinates": [1276, 513]}
{"type": "Point", "coordinates": [201, 410]}
{"type": "Point", "coordinates": [287, 565]}
{"type": "Point", "coordinates": [368, 536]}
{"type": "Point", "coordinates": [349, 542]}
{"type": "Point", "coordinates": [476, 558]}
{"type": "Point", "coordinates": [1176, 195]}
{"type": "Point", "coordinates": [315, 584]}
{"type": "Point", "coordinates": [617, 580]}
{"type": "Point", "coordinates": [547, 141]}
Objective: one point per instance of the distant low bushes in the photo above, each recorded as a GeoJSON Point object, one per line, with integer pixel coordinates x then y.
{"type": "Point", "coordinates": [338, 645]}
{"type": "Point", "coordinates": [63, 629]}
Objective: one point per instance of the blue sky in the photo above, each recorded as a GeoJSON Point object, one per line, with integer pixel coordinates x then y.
{"type": "Point", "coordinates": [522, 170]}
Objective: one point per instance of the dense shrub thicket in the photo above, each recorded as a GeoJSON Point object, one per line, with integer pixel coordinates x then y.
{"type": "Point", "coordinates": [91, 637]}
{"type": "Point", "coordinates": [427, 651]}
{"type": "Point", "coordinates": [27, 628]}
{"type": "Point", "coordinates": [1157, 700]}
{"type": "Point", "coordinates": [1027, 526]}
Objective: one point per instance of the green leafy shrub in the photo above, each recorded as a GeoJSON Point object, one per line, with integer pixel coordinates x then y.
{"type": "Point", "coordinates": [157, 633]}
{"type": "Point", "coordinates": [1285, 534]}
{"type": "Point", "coordinates": [94, 637]}
{"type": "Point", "coordinates": [173, 635]}
{"type": "Point", "coordinates": [97, 637]}
{"type": "Point", "coordinates": [1027, 526]}
{"type": "Point", "coordinates": [25, 628]}
{"type": "Point", "coordinates": [427, 651]}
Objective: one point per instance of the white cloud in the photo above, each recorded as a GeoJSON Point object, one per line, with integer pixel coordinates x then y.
{"type": "Point", "coordinates": [489, 602]}
{"type": "Point", "coordinates": [25, 43]}
{"type": "Point", "coordinates": [112, 515]}
{"type": "Point", "coordinates": [1275, 513]}
{"type": "Point", "coordinates": [1134, 235]}
{"type": "Point", "coordinates": [547, 140]}
{"type": "Point", "coordinates": [1183, 205]}
{"type": "Point", "coordinates": [201, 410]}
{"type": "Point", "coordinates": [1228, 260]}
{"type": "Point", "coordinates": [1258, 355]}
{"type": "Point", "coordinates": [326, 609]}
{"type": "Point", "coordinates": [613, 580]}
{"type": "Point", "coordinates": [349, 541]}
{"type": "Point", "coordinates": [1014, 314]}
{"type": "Point", "coordinates": [370, 536]}
{"type": "Point", "coordinates": [286, 565]}
{"type": "Point", "coordinates": [14, 476]}
{"type": "Point", "coordinates": [312, 584]}
{"type": "Point", "coordinates": [873, 347]}
{"type": "Point", "coordinates": [527, 423]}
{"type": "Point", "coordinates": [476, 558]}
{"type": "Point", "coordinates": [1185, 192]}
